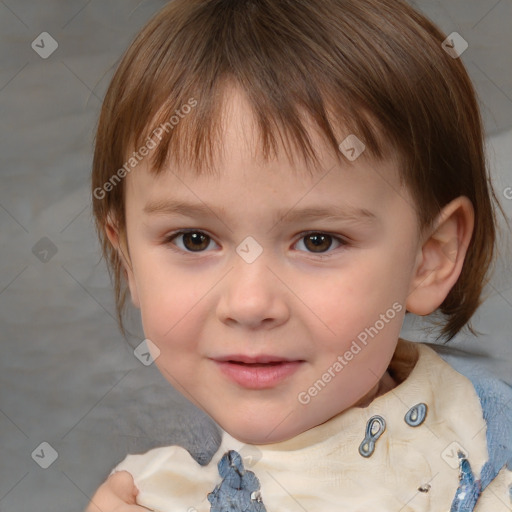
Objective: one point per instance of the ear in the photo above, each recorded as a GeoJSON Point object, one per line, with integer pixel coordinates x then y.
{"type": "Point", "coordinates": [118, 240]}
{"type": "Point", "coordinates": [441, 256]}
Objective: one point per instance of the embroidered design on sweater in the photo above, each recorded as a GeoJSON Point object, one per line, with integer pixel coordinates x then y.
{"type": "Point", "coordinates": [416, 415]}
{"type": "Point", "coordinates": [469, 489]}
{"type": "Point", "coordinates": [239, 490]}
{"type": "Point", "coordinates": [374, 429]}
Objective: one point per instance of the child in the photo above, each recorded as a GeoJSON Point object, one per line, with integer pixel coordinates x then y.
{"type": "Point", "coordinates": [278, 182]}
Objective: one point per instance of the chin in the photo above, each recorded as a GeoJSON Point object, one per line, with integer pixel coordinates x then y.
{"type": "Point", "coordinates": [246, 430]}
{"type": "Point", "coordinates": [258, 437]}
{"type": "Point", "coordinates": [260, 431]}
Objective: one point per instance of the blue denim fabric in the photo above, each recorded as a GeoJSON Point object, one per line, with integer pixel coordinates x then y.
{"type": "Point", "coordinates": [469, 489]}
{"type": "Point", "coordinates": [496, 400]}
{"type": "Point", "coordinates": [239, 489]}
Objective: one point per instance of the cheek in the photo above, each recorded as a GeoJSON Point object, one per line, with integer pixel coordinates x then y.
{"type": "Point", "coordinates": [168, 299]}
{"type": "Point", "coordinates": [343, 307]}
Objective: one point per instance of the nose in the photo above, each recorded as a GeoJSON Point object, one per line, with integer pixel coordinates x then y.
{"type": "Point", "coordinates": [252, 295]}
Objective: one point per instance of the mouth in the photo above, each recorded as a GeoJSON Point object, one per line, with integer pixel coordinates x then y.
{"type": "Point", "coordinates": [254, 360]}
{"type": "Point", "coordinates": [257, 365]}
{"type": "Point", "coordinates": [260, 372]}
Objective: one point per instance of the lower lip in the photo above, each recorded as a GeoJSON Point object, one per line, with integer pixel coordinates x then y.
{"type": "Point", "coordinates": [258, 377]}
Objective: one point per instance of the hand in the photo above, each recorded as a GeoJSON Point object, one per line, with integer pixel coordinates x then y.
{"type": "Point", "coordinates": [116, 494]}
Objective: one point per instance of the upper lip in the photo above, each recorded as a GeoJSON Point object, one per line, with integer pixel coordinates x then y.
{"type": "Point", "coordinates": [262, 358]}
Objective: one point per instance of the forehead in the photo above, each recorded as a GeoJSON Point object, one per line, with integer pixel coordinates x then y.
{"type": "Point", "coordinates": [244, 180]}
{"type": "Point", "coordinates": [243, 189]}
{"type": "Point", "coordinates": [237, 130]}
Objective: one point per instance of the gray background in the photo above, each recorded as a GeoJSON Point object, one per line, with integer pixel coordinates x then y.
{"type": "Point", "coordinates": [67, 377]}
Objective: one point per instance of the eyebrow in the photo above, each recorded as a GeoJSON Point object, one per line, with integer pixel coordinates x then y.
{"type": "Point", "coordinates": [340, 213]}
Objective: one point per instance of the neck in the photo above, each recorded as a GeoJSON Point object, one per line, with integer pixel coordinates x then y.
{"type": "Point", "coordinates": [385, 384]}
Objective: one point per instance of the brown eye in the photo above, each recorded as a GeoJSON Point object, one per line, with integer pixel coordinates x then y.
{"type": "Point", "coordinates": [195, 241]}
{"type": "Point", "coordinates": [192, 241]}
{"type": "Point", "coordinates": [318, 242]}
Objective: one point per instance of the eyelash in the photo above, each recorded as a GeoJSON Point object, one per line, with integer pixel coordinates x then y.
{"type": "Point", "coordinates": [169, 238]}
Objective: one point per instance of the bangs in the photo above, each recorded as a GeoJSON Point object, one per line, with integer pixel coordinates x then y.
{"type": "Point", "coordinates": [179, 96]}
{"type": "Point", "coordinates": [371, 69]}
{"type": "Point", "coordinates": [189, 132]}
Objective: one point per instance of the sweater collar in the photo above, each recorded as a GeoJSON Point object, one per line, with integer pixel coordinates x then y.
{"type": "Point", "coordinates": [351, 423]}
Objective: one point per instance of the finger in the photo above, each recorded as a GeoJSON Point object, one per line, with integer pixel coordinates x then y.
{"type": "Point", "coordinates": [122, 485]}
{"type": "Point", "coordinates": [131, 508]}
{"type": "Point", "coordinates": [117, 491]}
{"type": "Point", "coordinates": [118, 508]}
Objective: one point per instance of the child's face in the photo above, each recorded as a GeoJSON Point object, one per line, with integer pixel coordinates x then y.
{"type": "Point", "coordinates": [292, 302]}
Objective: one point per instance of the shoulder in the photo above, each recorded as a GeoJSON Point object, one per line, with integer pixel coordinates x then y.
{"type": "Point", "coordinates": [495, 400]}
{"type": "Point", "coordinates": [142, 464]}
{"type": "Point", "coordinates": [497, 496]}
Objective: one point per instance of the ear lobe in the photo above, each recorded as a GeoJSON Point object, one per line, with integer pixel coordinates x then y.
{"type": "Point", "coordinates": [441, 257]}
{"type": "Point", "coordinates": [120, 244]}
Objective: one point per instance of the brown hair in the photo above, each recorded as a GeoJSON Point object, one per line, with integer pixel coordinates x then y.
{"type": "Point", "coordinates": [376, 65]}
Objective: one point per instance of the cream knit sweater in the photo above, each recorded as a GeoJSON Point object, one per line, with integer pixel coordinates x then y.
{"type": "Point", "coordinates": [412, 468]}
